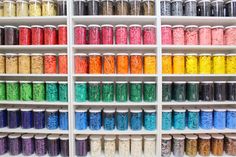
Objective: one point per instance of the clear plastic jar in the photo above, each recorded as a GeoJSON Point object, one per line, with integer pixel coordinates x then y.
{"type": "Point", "coordinates": [148, 7]}
{"type": "Point", "coordinates": [62, 7]}
{"type": "Point", "coordinates": [230, 144]}
{"type": "Point", "coordinates": [166, 146]}
{"type": "Point", "coordinates": [24, 35]}
{"type": "Point", "coordinates": [217, 8]}
{"type": "Point", "coordinates": [166, 34]}
{"type": "Point", "coordinates": [149, 146]}
{"type": "Point", "coordinates": [24, 63]}
{"type": "Point", "coordinates": [191, 145]}
{"type": "Point", "coordinates": [2, 63]}
{"type": "Point", "coordinates": [1, 8]}
{"type": "Point", "coordinates": [9, 8]}
{"type": "Point", "coordinates": [80, 7]}
{"type": "Point", "coordinates": [191, 63]}
{"type": "Point", "coordinates": [231, 63]}
{"type": "Point", "coordinates": [135, 7]}
{"type": "Point", "coordinates": [177, 8]}
{"type": "Point", "coordinates": [124, 145]}
{"type": "Point", "coordinates": [108, 118]}
{"type": "Point", "coordinates": [35, 8]}
{"type": "Point", "coordinates": [37, 63]}
{"type": "Point", "coordinates": [50, 35]}
{"type": "Point", "coordinates": [190, 8]}
{"type": "Point", "coordinates": [109, 146]}
{"type": "Point", "coordinates": [217, 147]}
{"type": "Point", "coordinates": [167, 63]}
{"type": "Point", "coordinates": [179, 63]}
{"type": "Point", "coordinates": [48, 8]}
{"type": "Point", "coordinates": [217, 35]}
{"type": "Point", "coordinates": [136, 146]}
{"type": "Point", "coordinates": [121, 34]}
{"type": "Point", "coordinates": [204, 8]}
{"type": "Point", "coordinates": [94, 37]}
{"type": "Point", "coordinates": [178, 145]}
{"type": "Point", "coordinates": [205, 63]}
{"type": "Point", "coordinates": [149, 34]}
{"type": "Point", "coordinates": [191, 35]}
{"type": "Point", "coordinates": [178, 34]}
{"type": "Point", "coordinates": [122, 7]}
{"type": "Point", "coordinates": [230, 8]}
{"type": "Point", "coordinates": [80, 32]}
{"type": "Point", "coordinates": [95, 63]}
{"type": "Point", "coordinates": [107, 7]}
{"type": "Point", "coordinates": [107, 34]}
{"type": "Point", "coordinates": [122, 63]}
{"type": "Point", "coordinates": [95, 145]}
{"type": "Point", "coordinates": [205, 35]}
{"type": "Point", "coordinates": [165, 7]}
{"type": "Point", "coordinates": [204, 145]}
{"type": "Point", "coordinates": [22, 8]}
{"type": "Point", "coordinates": [11, 63]}
{"type": "Point", "coordinates": [135, 34]}
{"type": "Point", "coordinates": [93, 7]}
{"type": "Point", "coordinates": [219, 63]}
{"type": "Point", "coordinates": [230, 35]}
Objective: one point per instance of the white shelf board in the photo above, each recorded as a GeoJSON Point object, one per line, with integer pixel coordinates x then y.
{"type": "Point", "coordinates": [115, 47]}
{"type": "Point", "coordinates": [34, 75]}
{"type": "Point", "coordinates": [198, 75]}
{"type": "Point", "coordinates": [41, 103]}
{"type": "Point", "coordinates": [199, 131]}
{"type": "Point", "coordinates": [114, 75]}
{"type": "Point", "coordinates": [186, 103]}
{"type": "Point", "coordinates": [114, 103]}
{"type": "Point", "coordinates": [187, 48]}
{"type": "Point", "coordinates": [34, 131]}
{"type": "Point", "coordinates": [29, 48]}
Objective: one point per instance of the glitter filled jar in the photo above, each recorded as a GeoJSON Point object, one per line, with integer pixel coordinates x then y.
{"type": "Point", "coordinates": [81, 91]}
{"type": "Point", "coordinates": [149, 91]}
{"type": "Point", "coordinates": [166, 119]}
{"type": "Point", "coordinates": [108, 63]}
{"type": "Point", "coordinates": [109, 119]}
{"type": "Point", "coordinates": [177, 8]}
{"type": "Point", "coordinates": [107, 7]}
{"type": "Point", "coordinates": [166, 145]}
{"type": "Point", "coordinates": [121, 91]}
{"type": "Point", "coordinates": [166, 91]}
{"type": "Point", "coordinates": [135, 89]}
{"type": "Point", "coordinates": [178, 63]}
{"type": "Point", "coordinates": [136, 119]}
{"type": "Point", "coordinates": [230, 8]}
{"type": "Point", "coordinates": [217, 147]}
{"type": "Point", "coordinates": [179, 91]}
{"type": "Point", "coordinates": [122, 63]}
{"type": "Point", "coordinates": [178, 145]}
{"type": "Point", "coordinates": [62, 63]}
{"type": "Point", "coordinates": [95, 63]}
{"type": "Point", "coordinates": [122, 7]}
{"type": "Point", "coordinates": [50, 63]}
{"type": "Point", "coordinates": [94, 91]}
{"type": "Point", "coordinates": [109, 145]}
{"type": "Point", "coordinates": [37, 65]}
{"type": "Point", "coordinates": [217, 35]}
{"type": "Point", "coordinates": [122, 119]}
{"type": "Point", "coordinates": [191, 63]}
{"type": "Point", "coordinates": [124, 145]}
{"type": "Point", "coordinates": [205, 35]}
{"type": "Point", "coordinates": [64, 145]}
{"type": "Point", "coordinates": [148, 7]}
{"type": "Point", "coordinates": [219, 118]}
{"type": "Point", "coordinates": [1, 9]}
{"type": "Point", "coordinates": [14, 144]}
{"type": "Point", "coordinates": [95, 145]}
{"type": "Point", "coordinates": [167, 63]}
{"type": "Point", "coordinates": [192, 91]}
{"type": "Point", "coordinates": [220, 90]}
{"type": "Point", "coordinates": [93, 7]}
{"type": "Point", "coordinates": [22, 8]}
{"type": "Point", "coordinates": [231, 63]}
{"type": "Point", "coordinates": [219, 63]}
{"type": "Point", "coordinates": [149, 145]}
{"type": "Point", "coordinates": [107, 34]}
{"type": "Point", "coordinates": [80, 33]}
{"type": "Point", "coordinates": [81, 145]}
{"type": "Point", "coordinates": [191, 145]}
{"type": "Point", "coordinates": [11, 63]}
{"type": "Point", "coordinates": [179, 119]}
{"type": "Point", "coordinates": [50, 35]}
{"type": "Point", "coordinates": [24, 35]}
{"type": "Point", "coordinates": [81, 118]}
{"type": "Point", "coordinates": [191, 35]}
{"type": "Point", "coordinates": [81, 63]}
{"type": "Point", "coordinates": [37, 35]}
{"type": "Point", "coordinates": [136, 145]}
{"type": "Point", "coordinates": [204, 7]}
{"type": "Point", "coordinates": [107, 91]}
{"type": "Point", "coordinates": [63, 119]}
{"type": "Point", "coordinates": [11, 35]}
{"type": "Point", "coordinates": [39, 93]}
{"type": "Point", "coordinates": [2, 90]}
{"type": "Point", "coordinates": [204, 144]}
{"type": "Point", "coordinates": [136, 63]}
{"type": "Point", "coordinates": [229, 35]}
{"type": "Point", "coordinates": [94, 35]}
{"type": "Point", "coordinates": [149, 63]}
{"type": "Point", "coordinates": [9, 8]}
{"type": "Point", "coordinates": [40, 144]}
{"type": "Point", "coordinates": [231, 118]}
{"type": "Point", "coordinates": [63, 91]}
{"type": "Point", "coordinates": [166, 34]}
{"type": "Point", "coordinates": [2, 62]}
{"type": "Point", "coordinates": [95, 119]}
{"type": "Point", "coordinates": [178, 34]}
{"type": "Point", "coordinates": [135, 34]}
{"type": "Point", "coordinates": [165, 7]}
{"type": "Point", "coordinates": [121, 34]}
{"type": "Point", "coordinates": [206, 91]}
{"type": "Point", "coordinates": [27, 118]}
{"type": "Point", "coordinates": [206, 118]}
{"type": "Point", "coordinates": [12, 90]}
{"type": "Point", "coordinates": [3, 143]}
{"type": "Point", "coordinates": [230, 144]}
{"type": "Point", "coordinates": [48, 8]}
{"type": "Point", "coordinates": [193, 118]}
{"type": "Point", "coordinates": [62, 32]}
{"type": "Point", "coordinates": [135, 7]}
{"type": "Point", "coordinates": [205, 63]}
{"type": "Point", "coordinates": [51, 91]}
{"type": "Point", "coordinates": [24, 63]}
{"type": "Point", "coordinates": [149, 34]}
{"type": "Point", "coordinates": [150, 117]}
{"type": "Point", "coordinates": [3, 118]}
{"type": "Point", "coordinates": [53, 145]}
{"type": "Point", "coordinates": [51, 119]}
{"type": "Point", "coordinates": [39, 118]}
{"type": "Point", "coordinates": [27, 144]}
{"type": "Point", "coordinates": [35, 8]}
{"type": "Point", "coordinates": [217, 8]}
{"type": "Point", "coordinates": [231, 90]}
{"type": "Point", "coordinates": [61, 7]}
{"type": "Point", "coordinates": [190, 7]}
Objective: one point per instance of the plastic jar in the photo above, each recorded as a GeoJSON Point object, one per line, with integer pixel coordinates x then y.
{"type": "Point", "coordinates": [206, 118]}
{"type": "Point", "coordinates": [81, 118]}
{"type": "Point", "coordinates": [177, 8]}
{"type": "Point", "coordinates": [231, 63]}
{"type": "Point", "coordinates": [122, 63]}
{"type": "Point", "coordinates": [51, 91]}
{"type": "Point", "coordinates": [1, 9]}
{"type": "Point", "coordinates": [50, 63]}
{"type": "Point", "coordinates": [95, 145]}
{"type": "Point", "coordinates": [149, 91]}
{"type": "Point", "coordinates": [94, 34]}
{"type": "Point", "coordinates": [219, 118]}
{"type": "Point", "coordinates": [192, 91]}
{"type": "Point", "coordinates": [166, 91]}
{"type": "Point", "coordinates": [107, 7]}
{"type": "Point", "coordinates": [190, 7]}
{"type": "Point", "coordinates": [2, 90]}
{"type": "Point", "coordinates": [107, 34]}
{"type": "Point", "coordinates": [204, 7]}
{"type": "Point", "coordinates": [191, 35]}
{"type": "Point", "coordinates": [122, 120]}
{"type": "Point", "coordinates": [217, 147]}
{"type": "Point", "coordinates": [93, 7]}
{"type": "Point", "coordinates": [37, 35]}
{"type": "Point", "coordinates": [12, 90]}
{"type": "Point", "coordinates": [135, 34]}
{"type": "Point", "coordinates": [231, 118]}
{"type": "Point", "coordinates": [149, 146]}
{"type": "Point", "coordinates": [136, 146]}
{"type": "Point", "coordinates": [231, 90]}
{"type": "Point", "coordinates": [166, 145]}
{"type": "Point", "coordinates": [205, 35]}
{"type": "Point", "coordinates": [1, 32]}
{"type": "Point", "coordinates": [27, 144]}
{"type": "Point", "coordinates": [217, 35]}
{"type": "Point", "coordinates": [9, 8]}
{"type": "Point", "coordinates": [109, 119]}
{"type": "Point", "coordinates": [107, 91]}
{"type": "Point", "coordinates": [124, 145]}
{"type": "Point", "coordinates": [64, 145]}
{"type": "Point", "coordinates": [38, 91]}
{"type": "Point", "coordinates": [135, 90]}
{"type": "Point", "coordinates": [165, 7]}
{"type": "Point", "coordinates": [35, 8]}
{"type": "Point", "coordinates": [63, 119]}
{"type": "Point", "coordinates": [230, 8]}
{"type": "Point", "coordinates": [24, 63]}
{"type": "Point", "coordinates": [179, 91]}
{"type": "Point", "coordinates": [48, 8]}
{"type": "Point", "coordinates": [51, 119]}
{"type": "Point", "coordinates": [192, 63]}
{"type": "Point", "coordinates": [53, 145]}
{"type": "Point", "coordinates": [13, 118]}
{"type": "Point", "coordinates": [39, 120]}
{"type": "Point", "coordinates": [61, 7]}
{"type": "Point", "coordinates": [2, 63]}
{"type": "Point", "coordinates": [166, 119]}
{"type": "Point", "coordinates": [179, 63]}
{"type": "Point", "coordinates": [79, 7]}
{"type": "Point", "coordinates": [108, 63]}
{"type": "Point", "coordinates": [191, 145]}
{"type": "Point", "coordinates": [205, 63]}
{"type": "Point", "coordinates": [3, 142]}
{"type": "Point", "coordinates": [167, 63]}
{"type": "Point", "coordinates": [204, 144]}
{"type": "Point", "coordinates": [109, 145]}
{"type": "Point", "coordinates": [149, 62]}
{"type": "Point", "coordinates": [95, 63]}
{"type": "Point", "coordinates": [229, 35]}
{"type": "Point", "coordinates": [121, 34]}
{"type": "Point", "coordinates": [220, 90]}
{"type": "Point", "coordinates": [166, 34]}
{"type": "Point", "coordinates": [149, 34]}
{"type": "Point", "coordinates": [135, 7]}
{"type": "Point", "coordinates": [121, 91]}
{"type": "Point", "coordinates": [136, 119]}
{"type": "Point", "coordinates": [217, 8]}
{"type": "Point", "coordinates": [63, 91]}
{"type": "Point", "coordinates": [219, 63]}
{"type": "Point", "coordinates": [81, 63]}
{"type": "Point", "coordinates": [178, 34]}
{"type": "Point", "coordinates": [178, 145]}
{"type": "Point", "coordinates": [11, 35]}
{"type": "Point", "coordinates": [206, 91]}
{"type": "Point", "coordinates": [193, 118]}
{"type": "Point", "coordinates": [179, 117]}
{"type": "Point", "coordinates": [230, 144]}
{"type": "Point", "coordinates": [95, 119]}
{"type": "Point", "coordinates": [3, 120]}
{"type": "Point", "coordinates": [37, 63]}
{"type": "Point", "coordinates": [150, 117]}
{"type": "Point", "coordinates": [22, 8]}
{"type": "Point", "coordinates": [62, 33]}
{"type": "Point", "coordinates": [50, 35]}
{"type": "Point", "coordinates": [81, 145]}
{"type": "Point", "coordinates": [80, 34]}
{"type": "Point", "coordinates": [62, 63]}
{"type": "Point", "coordinates": [26, 91]}
{"type": "Point", "coordinates": [81, 93]}
{"type": "Point", "coordinates": [122, 7]}
{"type": "Point", "coordinates": [148, 7]}
{"type": "Point", "coordinates": [94, 90]}
{"type": "Point", "coordinates": [14, 144]}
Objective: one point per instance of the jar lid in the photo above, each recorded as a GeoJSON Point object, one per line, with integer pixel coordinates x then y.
{"type": "Point", "coordinates": [124, 137]}
{"type": "Point", "coordinates": [134, 82]}
{"type": "Point", "coordinates": [48, 0]}
{"type": "Point", "coordinates": [135, 25]}
{"type": "Point", "coordinates": [63, 110]}
{"type": "Point", "coordinates": [26, 109]}
{"type": "Point", "coordinates": [145, 26]}
{"type": "Point", "coordinates": [2, 135]}
{"type": "Point", "coordinates": [94, 82]}
{"type": "Point", "coordinates": [149, 82]}
{"type": "Point", "coordinates": [194, 110]}
{"type": "Point", "coordinates": [13, 109]}
{"type": "Point", "coordinates": [191, 54]}
{"type": "Point", "coordinates": [93, 25]}
{"type": "Point", "coordinates": [62, 25]}
{"type": "Point", "coordinates": [231, 54]}
{"type": "Point", "coordinates": [25, 81]}
{"type": "Point", "coordinates": [36, 54]}
{"type": "Point", "coordinates": [135, 110]}
{"type": "Point", "coordinates": [191, 26]}
{"type": "Point", "coordinates": [53, 137]}
{"type": "Point", "coordinates": [2, 108]}
{"type": "Point", "coordinates": [64, 137]}
{"type": "Point", "coordinates": [80, 54]}
{"type": "Point", "coordinates": [95, 110]}
{"type": "Point", "coordinates": [51, 110]}
{"type": "Point", "coordinates": [204, 136]}
{"type": "Point", "coordinates": [217, 27]}
{"type": "Point", "coordinates": [231, 136]}
{"type": "Point", "coordinates": [108, 54]}
{"type": "Point", "coordinates": [11, 54]}
{"type": "Point", "coordinates": [149, 110]}
{"type": "Point", "coordinates": [179, 110]}
{"type": "Point", "coordinates": [219, 54]}
{"type": "Point", "coordinates": [166, 82]}
{"type": "Point", "coordinates": [193, 82]}
{"type": "Point", "coordinates": [24, 26]}
{"type": "Point", "coordinates": [219, 81]}
{"type": "Point", "coordinates": [37, 26]}
{"type": "Point", "coordinates": [178, 54]}
{"type": "Point", "coordinates": [81, 137]}
{"type": "Point", "coordinates": [38, 81]}
{"type": "Point", "coordinates": [95, 137]}
{"type": "Point", "coordinates": [220, 109]}
{"type": "Point", "coordinates": [177, 1]}
{"type": "Point", "coordinates": [14, 135]}
{"type": "Point", "coordinates": [109, 110]}
{"type": "Point", "coordinates": [38, 110]}
{"type": "Point", "coordinates": [107, 25]}
{"type": "Point", "coordinates": [39, 137]}
{"type": "Point", "coordinates": [204, 54]}
{"type": "Point", "coordinates": [167, 110]}
{"type": "Point", "coordinates": [11, 81]}
{"type": "Point", "coordinates": [80, 25]}
{"type": "Point", "coordinates": [165, 0]}
{"type": "Point", "coordinates": [109, 137]}
{"type": "Point", "coordinates": [108, 82]}
{"type": "Point", "coordinates": [37, 1]}
{"type": "Point", "coordinates": [166, 26]}
{"type": "Point", "coordinates": [81, 110]}
{"type": "Point", "coordinates": [136, 54]}
{"type": "Point", "coordinates": [180, 82]}
{"type": "Point", "coordinates": [179, 137]}
{"type": "Point", "coordinates": [122, 110]}
{"type": "Point", "coordinates": [190, 1]}
{"type": "Point", "coordinates": [205, 26]}
{"type": "Point", "coordinates": [62, 54]}
{"type": "Point", "coordinates": [149, 54]}
{"type": "Point", "coordinates": [51, 81]}
{"type": "Point", "coordinates": [23, 54]}
{"type": "Point", "coordinates": [121, 25]}
{"type": "Point", "coordinates": [176, 26]}
{"type": "Point", "coordinates": [207, 109]}
{"type": "Point", "coordinates": [206, 82]}
{"type": "Point", "coordinates": [94, 54]}
{"type": "Point", "coordinates": [204, 1]}
{"type": "Point", "coordinates": [191, 137]}
{"type": "Point", "coordinates": [231, 81]}
{"type": "Point", "coordinates": [50, 54]}
{"type": "Point", "coordinates": [80, 82]}
{"type": "Point", "coordinates": [149, 137]}
{"type": "Point", "coordinates": [136, 138]}
{"type": "Point", "coordinates": [217, 136]}
{"type": "Point", "coordinates": [231, 109]}
{"type": "Point", "coordinates": [62, 82]}
{"type": "Point", "coordinates": [217, 1]}
{"type": "Point", "coordinates": [9, 26]}
{"type": "Point", "coordinates": [122, 54]}
{"type": "Point", "coordinates": [166, 54]}
{"type": "Point", "coordinates": [27, 136]}
{"type": "Point", "coordinates": [45, 26]}
{"type": "Point", "coordinates": [2, 54]}
{"type": "Point", "coordinates": [166, 137]}
{"type": "Point", "coordinates": [120, 82]}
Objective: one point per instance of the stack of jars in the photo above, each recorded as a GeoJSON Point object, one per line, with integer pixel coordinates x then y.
{"type": "Point", "coordinates": [35, 63]}
{"type": "Point", "coordinates": [39, 91]}
{"type": "Point", "coordinates": [110, 119]}
{"type": "Point", "coordinates": [194, 35]}
{"type": "Point", "coordinates": [116, 7]}
{"type": "Point", "coordinates": [201, 144]}
{"type": "Point", "coordinates": [34, 35]}
{"type": "Point", "coordinates": [35, 145]}
{"type": "Point", "coordinates": [193, 63]}
{"type": "Point", "coordinates": [121, 63]}
{"type": "Point", "coordinates": [23, 8]}
{"type": "Point", "coordinates": [122, 34]}
{"type": "Point", "coordinates": [198, 8]}
{"type": "Point", "coordinates": [195, 118]}
{"type": "Point", "coordinates": [120, 91]}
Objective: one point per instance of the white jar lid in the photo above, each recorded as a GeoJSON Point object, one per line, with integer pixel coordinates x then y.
{"type": "Point", "coordinates": [231, 82]}
{"type": "Point", "coordinates": [149, 54]}
{"type": "Point", "coordinates": [81, 137]}
{"type": "Point", "coordinates": [62, 54]}
{"type": "Point", "coordinates": [191, 54]}
{"type": "Point", "coordinates": [136, 54]}
{"type": "Point", "coordinates": [167, 110]}
{"type": "Point", "coordinates": [179, 137]}
{"type": "Point", "coordinates": [150, 138]}
{"type": "Point", "coordinates": [94, 54]}
{"type": "Point", "coordinates": [135, 25]}
{"type": "Point", "coordinates": [51, 110]}
{"type": "Point", "coordinates": [121, 25]}
{"type": "Point", "coordinates": [64, 137]}
{"type": "Point", "coordinates": [194, 110]}
{"type": "Point", "coordinates": [45, 26]}
{"type": "Point", "coordinates": [217, 136]}
{"type": "Point", "coordinates": [38, 81]}
{"type": "Point", "coordinates": [39, 137]}
{"type": "Point", "coordinates": [204, 54]}
{"type": "Point", "coordinates": [206, 82]}
{"type": "Point", "coordinates": [231, 54]}
{"type": "Point", "coordinates": [166, 82]}
{"type": "Point", "coordinates": [38, 26]}
{"type": "Point", "coordinates": [213, 27]}
{"type": "Point", "coordinates": [231, 109]}
{"type": "Point", "coordinates": [193, 82]}
{"type": "Point", "coordinates": [124, 137]}
{"type": "Point", "coordinates": [207, 109]}
{"type": "Point", "coordinates": [107, 82]}
{"type": "Point", "coordinates": [51, 82]}
{"type": "Point", "coordinates": [219, 54]}
{"type": "Point", "coordinates": [80, 54]}
{"type": "Point", "coordinates": [191, 26]}
{"type": "Point", "coordinates": [11, 81]}
{"type": "Point", "coordinates": [109, 110]}
{"type": "Point", "coordinates": [204, 136]}
{"type": "Point", "coordinates": [94, 82]}
{"type": "Point", "coordinates": [50, 54]}
{"type": "Point", "coordinates": [14, 135]}
{"type": "Point", "coordinates": [63, 110]}
{"type": "Point", "coordinates": [135, 110]}
{"type": "Point", "coordinates": [219, 81]}
{"type": "Point", "coordinates": [220, 109]}
{"type": "Point", "coordinates": [205, 26]}
{"type": "Point", "coordinates": [63, 25]}
{"type": "Point", "coordinates": [176, 26]}
{"type": "Point", "coordinates": [13, 109]}
{"type": "Point", "coordinates": [95, 137]}
{"type": "Point", "coordinates": [136, 138]}
{"type": "Point", "coordinates": [145, 26]}
{"type": "Point", "coordinates": [122, 82]}
{"type": "Point", "coordinates": [231, 136]}
{"type": "Point", "coordinates": [27, 136]}
{"type": "Point", "coordinates": [179, 110]}
{"type": "Point", "coordinates": [36, 54]}
{"type": "Point", "coordinates": [24, 26]}
{"type": "Point", "coordinates": [166, 137]}
{"type": "Point", "coordinates": [2, 108]}
{"type": "Point", "coordinates": [134, 82]}
{"type": "Point", "coordinates": [122, 54]}
{"type": "Point", "coordinates": [93, 25]}
{"type": "Point", "coordinates": [26, 109]}
{"type": "Point", "coordinates": [180, 82]}
{"type": "Point", "coordinates": [80, 82]}
{"type": "Point", "coordinates": [166, 26]}
{"type": "Point", "coordinates": [38, 110]}
{"type": "Point", "coordinates": [62, 82]}
{"type": "Point", "coordinates": [108, 54]}
{"type": "Point", "coordinates": [192, 137]}
{"type": "Point", "coordinates": [230, 27]}
{"type": "Point", "coordinates": [178, 54]}
{"type": "Point", "coordinates": [149, 82]}
{"type": "Point", "coordinates": [109, 137]}
{"type": "Point", "coordinates": [107, 25]}
{"type": "Point", "coordinates": [166, 54]}
{"type": "Point", "coordinates": [53, 137]}
{"type": "Point", "coordinates": [95, 110]}
{"type": "Point", "coordinates": [9, 26]}
{"type": "Point", "coordinates": [122, 110]}
{"type": "Point", "coordinates": [150, 110]}
{"type": "Point", "coordinates": [81, 110]}
{"type": "Point", "coordinates": [2, 135]}
{"type": "Point", "coordinates": [25, 81]}
{"type": "Point", "coordinates": [80, 25]}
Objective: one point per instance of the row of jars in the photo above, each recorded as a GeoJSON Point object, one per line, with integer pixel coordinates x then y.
{"type": "Point", "coordinates": [27, 118]}
{"type": "Point", "coordinates": [201, 144]}
{"type": "Point", "coordinates": [23, 8]}
{"type": "Point", "coordinates": [122, 34]}
{"type": "Point", "coordinates": [121, 63]}
{"type": "Point", "coordinates": [35, 145]}
{"type": "Point", "coordinates": [50, 91]}
{"type": "Point", "coordinates": [33, 35]}
{"type": "Point", "coordinates": [195, 91]}
{"type": "Point", "coordinates": [35, 63]}
{"type": "Point", "coordinates": [115, 119]}
{"type": "Point", "coordinates": [194, 35]}
{"type": "Point", "coordinates": [198, 8]}
{"type": "Point", "coordinates": [125, 145]}
{"type": "Point", "coordinates": [120, 91]}
{"type": "Point", "coordinates": [199, 118]}
{"type": "Point", "coordinates": [111, 7]}
{"type": "Point", "coordinates": [193, 63]}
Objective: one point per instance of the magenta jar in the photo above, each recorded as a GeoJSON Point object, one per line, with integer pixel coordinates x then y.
{"type": "Point", "coordinates": [121, 34]}
{"type": "Point", "coordinates": [149, 34]}
{"type": "Point", "coordinates": [80, 34]}
{"type": "Point", "coordinates": [191, 35]}
{"type": "Point", "coordinates": [205, 35]}
{"type": "Point", "coordinates": [230, 35]}
{"type": "Point", "coordinates": [178, 34]}
{"type": "Point", "coordinates": [166, 34]}
{"type": "Point", "coordinates": [135, 34]}
{"type": "Point", "coordinates": [94, 34]}
{"type": "Point", "coordinates": [107, 34]}
{"type": "Point", "coordinates": [217, 35]}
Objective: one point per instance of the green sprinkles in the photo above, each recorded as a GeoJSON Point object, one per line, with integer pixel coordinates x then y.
{"type": "Point", "coordinates": [149, 91]}
{"type": "Point", "coordinates": [2, 90]}
{"type": "Point", "coordinates": [136, 91]}
{"type": "Point", "coordinates": [94, 91]}
{"type": "Point", "coordinates": [13, 90]}
{"type": "Point", "coordinates": [108, 91]}
{"type": "Point", "coordinates": [38, 91]}
{"type": "Point", "coordinates": [81, 94]}
{"type": "Point", "coordinates": [51, 91]}
{"type": "Point", "coordinates": [26, 91]}
{"type": "Point", "coordinates": [121, 91]}
{"type": "Point", "coordinates": [166, 91]}
{"type": "Point", "coordinates": [193, 91]}
{"type": "Point", "coordinates": [63, 91]}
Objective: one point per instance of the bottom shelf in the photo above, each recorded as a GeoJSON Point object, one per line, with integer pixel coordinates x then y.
{"type": "Point", "coordinates": [34, 131]}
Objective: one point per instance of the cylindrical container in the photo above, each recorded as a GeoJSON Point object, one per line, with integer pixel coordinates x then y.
{"type": "Point", "coordinates": [26, 91]}
{"type": "Point", "coordinates": [109, 119]}
{"type": "Point", "coordinates": [108, 63]}
{"type": "Point", "coordinates": [24, 63]}
{"type": "Point", "coordinates": [95, 63]}
{"type": "Point", "coordinates": [94, 91]}
{"type": "Point", "coordinates": [107, 7]}
{"type": "Point", "coordinates": [205, 63]}
{"type": "Point", "coordinates": [27, 144]}
{"type": "Point", "coordinates": [62, 30]}
{"type": "Point", "coordinates": [190, 8]}
{"type": "Point", "coordinates": [135, 7]}
{"type": "Point", "coordinates": [2, 62]}
{"type": "Point", "coordinates": [149, 120]}
{"type": "Point", "coordinates": [193, 116]}
{"type": "Point", "coordinates": [12, 90]}
{"type": "Point", "coordinates": [63, 91]}
{"type": "Point", "coordinates": [93, 7]}
{"type": "Point", "coordinates": [11, 35]}
{"type": "Point", "coordinates": [229, 37]}
{"type": "Point", "coordinates": [217, 35]}
{"type": "Point", "coordinates": [51, 119]}
{"type": "Point", "coordinates": [148, 7]}
{"type": "Point", "coordinates": [204, 8]}
{"type": "Point", "coordinates": [166, 35]}
{"type": "Point", "coordinates": [50, 63]}
{"type": "Point", "coordinates": [9, 8]}
{"type": "Point", "coordinates": [191, 35]}
{"type": "Point", "coordinates": [217, 8]}
{"type": "Point", "coordinates": [206, 118]}
{"type": "Point", "coordinates": [64, 145]}
{"type": "Point", "coordinates": [50, 34]}
{"type": "Point", "coordinates": [191, 63]}
{"type": "Point", "coordinates": [95, 119]}
{"type": "Point", "coordinates": [48, 8]}
{"type": "Point", "coordinates": [167, 63]}
{"type": "Point", "coordinates": [3, 143]}
{"type": "Point", "coordinates": [121, 91]}
{"type": "Point", "coordinates": [40, 144]}
{"type": "Point", "coordinates": [231, 118]}
{"type": "Point", "coordinates": [95, 145]}
{"type": "Point", "coordinates": [53, 145]}
{"type": "Point", "coordinates": [165, 7]}
{"type": "Point", "coordinates": [94, 34]}
{"type": "Point", "coordinates": [135, 34]}
{"type": "Point", "coordinates": [3, 118]}
{"type": "Point", "coordinates": [179, 63]}
{"type": "Point", "coordinates": [231, 63]}
{"type": "Point", "coordinates": [206, 91]}
{"type": "Point", "coordinates": [166, 91]}
{"type": "Point", "coordinates": [81, 118]}
{"type": "Point", "coordinates": [205, 35]}
{"type": "Point", "coordinates": [14, 144]}
{"type": "Point", "coordinates": [136, 146]}
{"type": "Point", "coordinates": [231, 90]}
{"type": "Point", "coordinates": [2, 90]}
{"type": "Point", "coordinates": [217, 142]}
{"type": "Point", "coordinates": [220, 90]}
{"type": "Point", "coordinates": [192, 91]}
{"type": "Point", "coordinates": [39, 91]}
{"type": "Point", "coordinates": [230, 144]}
{"type": "Point", "coordinates": [80, 33]}
{"type": "Point", "coordinates": [149, 146]}
{"type": "Point", "coordinates": [39, 118]}
{"type": "Point", "coordinates": [61, 7]}
{"type": "Point", "coordinates": [122, 7]}
{"type": "Point", "coordinates": [219, 63]}
{"type": "Point", "coordinates": [204, 144]}
{"type": "Point", "coordinates": [149, 34]}
{"type": "Point", "coordinates": [179, 91]}
{"type": "Point", "coordinates": [122, 63]}
{"type": "Point", "coordinates": [135, 90]}
{"type": "Point", "coordinates": [51, 91]}
{"type": "Point", "coordinates": [179, 119]}
{"type": "Point", "coordinates": [136, 63]}
{"type": "Point", "coordinates": [27, 121]}
{"type": "Point", "coordinates": [107, 34]}
{"type": "Point", "coordinates": [149, 91]}
{"type": "Point", "coordinates": [178, 34]}
{"type": "Point", "coordinates": [191, 145]}
{"type": "Point", "coordinates": [24, 34]}
{"type": "Point", "coordinates": [37, 63]}
{"type": "Point", "coordinates": [109, 145]}
{"type": "Point", "coordinates": [62, 63]}
{"type": "Point", "coordinates": [80, 7]}
{"type": "Point", "coordinates": [81, 63]}
{"type": "Point", "coordinates": [122, 119]}
{"type": "Point", "coordinates": [124, 145]}
{"type": "Point", "coordinates": [166, 119]}
{"type": "Point", "coordinates": [178, 145]}
{"type": "Point", "coordinates": [81, 145]}
{"type": "Point", "coordinates": [35, 8]}
{"type": "Point", "coordinates": [149, 63]}
{"type": "Point", "coordinates": [219, 118]}
{"type": "Point", "coordinates": [81, 93]}
{"type": "Point", "coordinates": [136, 119]}
{"type": "Point", "coordinates": [11, 63]}
{"type": "Point", "coordinates": [177, 8]}
{"type": "Point", "coordinates": [230, 8]}
{"type": "Point", "coordinates": [166, 145]}
{"type": "Point", "coordinates": [1, 8]}
{"type": "Point", "coordinates": [107, 91]}
{"type": "Point", "coordinates": [121, 34]}
{"type": "Point", "coordinates": [63, 119]}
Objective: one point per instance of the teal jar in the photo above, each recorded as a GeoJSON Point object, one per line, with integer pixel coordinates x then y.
{"type": "Point", "coordinates": [149, 91]}
{"type": "Point", "coordinates": [179, 92]}
{"type": "Point", "coordinates": [81, 91]}
{"type": "Point", "coordinates": [13, 90]}
{"type": "Point", "coordinates": [39, 93]}
{"type": "Point", "coordinates": [121, 91]}
{"type": "Point", "coordinates": [192, 91]}
{"type": "Point", "coordinates": [107, 91]}
{"type": "Point", "coordinates": [63, 91]}
{"type": "Point", "coordinates": [51, 91]}
{"type": "Point", "coordinates": [179, 119]}
{"type": "Point", "coordinates": [166, 91]}
{"type": "Point", "coordinates": [193, 117]}
{"type": "Point", "coordinates": [94, 90]}
{"type": "Point", "coordinates": [135, 91]}
{"type": "Point", "coordinates": [2, 90]}
{"type": "Point", "coordinates": [166, 119]}
{"type": "Point", "coordinates": [26, 90]}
